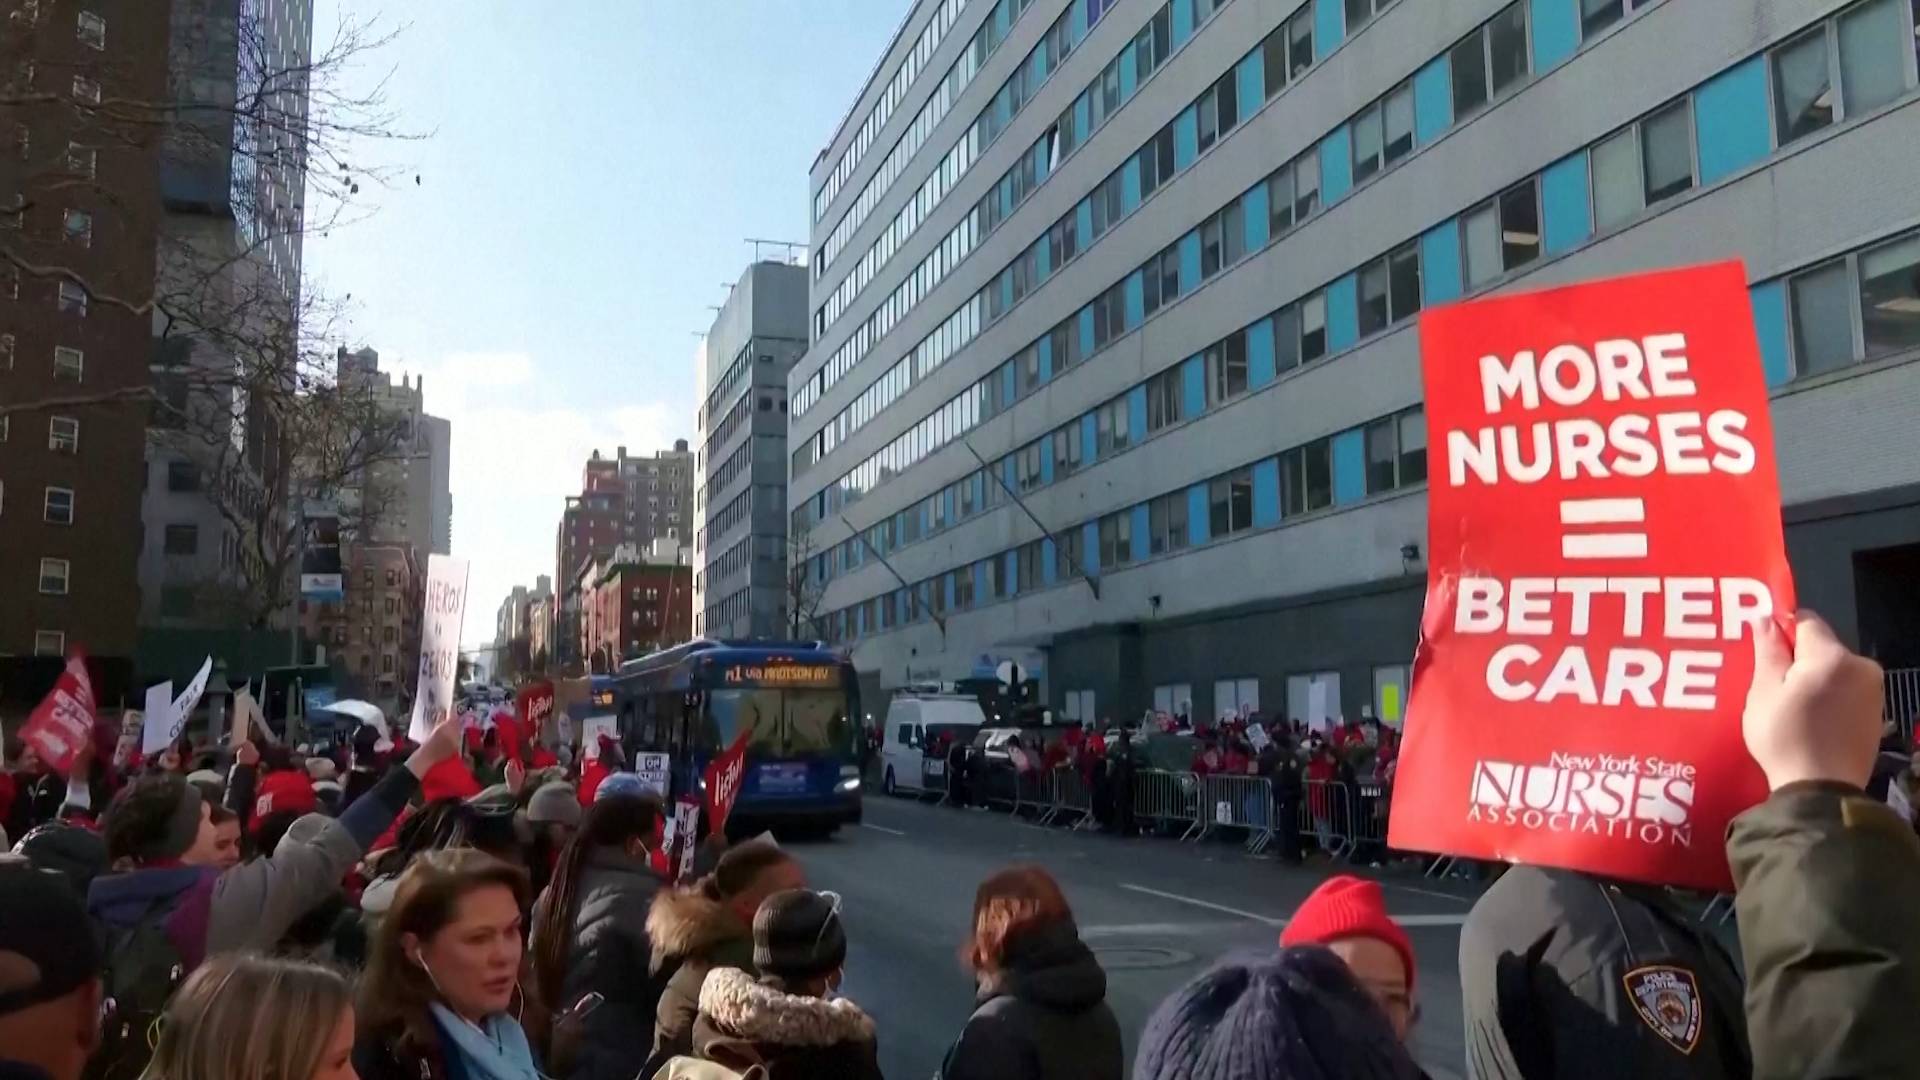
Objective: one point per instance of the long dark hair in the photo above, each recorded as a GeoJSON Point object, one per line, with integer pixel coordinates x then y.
{"type": "Point", "coordinates": [609, 822]}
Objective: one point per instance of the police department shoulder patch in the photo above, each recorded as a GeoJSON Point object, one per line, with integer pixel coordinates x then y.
{"type": "Point", "coordinates": [1668, 999]}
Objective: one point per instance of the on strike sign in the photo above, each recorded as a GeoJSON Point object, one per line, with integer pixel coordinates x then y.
{"type": "Point", "coordinates": [1603, 524]}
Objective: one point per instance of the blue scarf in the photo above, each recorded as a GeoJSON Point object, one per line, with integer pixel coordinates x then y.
{"type": "Point", "coordinates": [499, 1051]}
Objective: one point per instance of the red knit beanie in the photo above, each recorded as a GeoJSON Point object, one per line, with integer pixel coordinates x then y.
{"type": "Point", "coordinates": [1342, 907]}
{"type": "Point", "coordinates": [288, 790]}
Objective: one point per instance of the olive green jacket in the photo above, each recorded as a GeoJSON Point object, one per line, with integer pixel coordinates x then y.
{"type": "Point", "coordinates": [1828, 884]}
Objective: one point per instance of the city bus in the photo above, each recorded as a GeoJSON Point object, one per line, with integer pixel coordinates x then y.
{"type": "Point", "coordinates": [797, 702]}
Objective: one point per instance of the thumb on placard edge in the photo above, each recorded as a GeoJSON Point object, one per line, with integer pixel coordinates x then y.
{"type": "Point", "coordinates": [1772, 652]}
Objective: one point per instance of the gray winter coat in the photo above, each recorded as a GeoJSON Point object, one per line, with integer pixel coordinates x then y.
{"type": "Point", "coordinates": [610, 954]}
{"type": "Point", "coordinates": [1045, 1017]}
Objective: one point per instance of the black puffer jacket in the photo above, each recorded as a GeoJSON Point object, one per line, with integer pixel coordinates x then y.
{"type": "Point", "coordinates": [1044, 1017]}
{"type": "Point", "coordinates": [610, 953]}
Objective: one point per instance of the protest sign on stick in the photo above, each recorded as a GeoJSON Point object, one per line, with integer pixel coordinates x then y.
{"type": "Point", "coordinates": [446, 605]}
{"type": "Point", "coordinates": [724, 776]}
{"type": "Point", "coordinates": [63, 722]}
{"type": "Point", "coordinates": [1603, 526]}
{"type": "Point", "coordinates": [158, 728]}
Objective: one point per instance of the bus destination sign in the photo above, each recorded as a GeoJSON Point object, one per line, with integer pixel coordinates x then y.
{"type": "Point", "coordinates": [825, 675]}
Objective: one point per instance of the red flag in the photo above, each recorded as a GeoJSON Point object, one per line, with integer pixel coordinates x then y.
{"type": "Point", "coordinates": [63, 722]}
{"type": "Point", "coordinates": [535, 707]}
{"type": "Point", "coordinates": [1603, 525]}
{"type": "Point", "coordinates": [724, 775]}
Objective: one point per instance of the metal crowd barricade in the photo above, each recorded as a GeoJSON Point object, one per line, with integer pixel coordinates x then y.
{"type": "Point", "coordinates": [1237, 802]}
{"type": "Point", "coordinates": [1072, 799]}
{"type": "Point", "coordinates": [1326, 815]}
{"type": "Point", "coordinates": [1369, 820]}
{"type": "Point", "coordinates": [1167, 798]}
{"type": "Point", "coordinates": [1032, 791]}
{"type": "Point", "coordinates": [1903, 697]}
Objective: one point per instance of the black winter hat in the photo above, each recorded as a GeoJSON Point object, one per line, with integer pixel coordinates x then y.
{"type": "Point", "coordinates": [1295, 1015]}
{"type": "Point", "coordinates": [75, 852]}
{"type": "Point", "coordinates": [47, 947]}
{"type": "Point", "coordinates": [797, 935]}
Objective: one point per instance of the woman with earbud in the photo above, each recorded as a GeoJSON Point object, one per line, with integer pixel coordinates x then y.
{"type": "Point", "coordinates": [441, 994]}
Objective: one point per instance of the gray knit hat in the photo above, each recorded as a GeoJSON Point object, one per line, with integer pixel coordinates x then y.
{"type": "Point", "coordinates": [797, 935]}
{"type": "Point", "coordinates": [554, 804]}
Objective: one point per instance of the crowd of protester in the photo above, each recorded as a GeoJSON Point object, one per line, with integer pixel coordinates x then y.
{"type": "Point", "coordinates": [207, 926]}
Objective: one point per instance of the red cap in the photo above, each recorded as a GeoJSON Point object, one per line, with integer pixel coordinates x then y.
{"type": "Point", "coordinates": [1342, 907]}
{"type": "Point", "coordinates": [281, 792]}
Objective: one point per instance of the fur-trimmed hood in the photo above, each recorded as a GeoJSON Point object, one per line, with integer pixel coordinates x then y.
{"type": "Point", "coordinates": [682, 923]}
{"type": "Point", "coordinates": [740, 1007]}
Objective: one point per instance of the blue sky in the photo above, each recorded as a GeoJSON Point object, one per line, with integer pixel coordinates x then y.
{"type": "Point", "coordinates": [588, 171]}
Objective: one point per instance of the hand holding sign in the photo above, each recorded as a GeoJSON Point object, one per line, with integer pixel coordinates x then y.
{"type": "Point", "coordinates": [1813, 711]}
{"type": "Point", "coordinates": [1603, 525]}
{"type": "Point", "coordinates": [441, 744]}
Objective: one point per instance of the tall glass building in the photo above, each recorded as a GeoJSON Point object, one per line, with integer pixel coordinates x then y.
{"type": "Point", "coordinates": [1114, 365]}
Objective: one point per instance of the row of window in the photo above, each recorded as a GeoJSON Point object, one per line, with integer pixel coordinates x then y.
{"type": "Point", "coordinates": [1647, 161]}
{"type": "Point", "coordinates": [1104, 207]}
{"type": "Point", "coordinates": [69, 364]}
{"type": "Point", "coordinates": [986, 41]}
{"type": "Point", "coordinates": [1053, 48]}
{"type": "Point", "coordinates": [1137, 60]}
{"type": "Point", "coordinates": [63, 433]}
{"type": "Point", "coordinates": [1297, 482]}
{"type": "Point", "coordinates": [910, 68]}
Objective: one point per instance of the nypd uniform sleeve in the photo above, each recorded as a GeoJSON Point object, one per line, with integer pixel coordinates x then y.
{"type": "Point", "coordinates": [1827, 880]}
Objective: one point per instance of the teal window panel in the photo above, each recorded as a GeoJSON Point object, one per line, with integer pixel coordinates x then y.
{"type": "Point", "coordinates": [1083, 224]}
{"type": "Point", "coordinates": [1006, 194]}
{"type": "Point", "coordinates": [1007, 386]}
{"type": "Point", "coordinates": [1136, 299]}
{"type": "Point", "coordinates": [1260, 361]}
{"type": "Point", "coordinates": [1038, 72]}
{"type": "Point", "coordinates": [1002, 111]}
{"type": "Point", "coordinates": [948, 515]}
{"type": "Point", "coordinates": [1329, 27]}
{"type": "Point", "coordinates": [1137, 413]}
{"type": "Point", "coordinates": [1556, 31]}
{"type": "Point", "coordinates": [1182, 21]}
{"type": "Point", "coordinates": [1086, 331]}
{"type": "Point", "coordinates": [1042, 160]}
{"type": "Point", "coordinates": [1440, 276]}
{"type": "Point", "coordinates": [1140, 536]}
{"type": "Point", "coordinates": [1432, 100]}
{"type": "Point", "coordinates": [1078, 23]}
{"type": "Point", "coordinates": [946, 585]}
{"type": "Point", "coordinates": [1566, 203]}
{"type": "Point", "coordinates": [1042, 259]}
{"type": "Point", "coordinates": [1197, 515]}
{"type": "Point", "coordinates": [1049, 562]}
{"type": "Point", "coordinates": [1013, 571]}
{"type": "Point", "coordinates": [1130, 185]}
{"type": "Point", "coordinates": [979, 489]}
{"type": "Point", "coordinates": [1089, 439]}
{"type": "Point", "coordinates": [1266, 492]}
{"type": "Point", "coordinates": [1129, 77]}
{"type": "Point", "coordinates": [1006, 473]}
{"type": "Point", "coordinates": [1349, 467]}
{"type": "Point", "coordinates": [1002, 18]}
{"type": "Point", "coordinates": [1006, 292]}
{"type": "Point", "coordinates": [902, 607]}
{"type": "Point", "coordinates": [1186, 139]}
{"type": "Point", "coordinates": [1193, 388]}
{"type": "Point", "coordinates": [1252, 74]}
{"type": "Point", "coordinates": [982, 583]}
{"type": "Point", "coordinates": [1043, 352]}
{"type": "Point", "coordinates": [1046, 462]}
{"type": "Point", "coordinates": [1189, 264]}
{"type": "Point", "coordinates": [1336, 165]}
{"type": "Point", "coordinates": [1082, 118]}
{"type": "Point", "coordinates": [1343, 314]}
{"type": "Point", "coordinates": [926, 518]}
{"type": "Point", "coordinates": [1254, 204]}
{"type": "Point", "coordinates": [1090, 548]}
{"type": "Point", "coordinates": [1731, 120]}
{"type": "Point", "coordinates": [1770, 321]}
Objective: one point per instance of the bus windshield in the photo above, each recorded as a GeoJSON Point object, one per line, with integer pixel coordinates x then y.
{"type": "Point", "coordinates": [782, 723]}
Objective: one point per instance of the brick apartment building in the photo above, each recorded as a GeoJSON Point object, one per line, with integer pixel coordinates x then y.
{"type": "Point", "coordinates": [632, 603]}
{"type": "Point", "coordinates": [623, 500]}
{"type": "Point", "coordinates": [375, 631]}
{"type": "Point", "coordinates": [80, 195]}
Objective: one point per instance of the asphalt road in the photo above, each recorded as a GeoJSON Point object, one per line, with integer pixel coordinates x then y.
{"type": "Point", "coordinates": [1155, 911]}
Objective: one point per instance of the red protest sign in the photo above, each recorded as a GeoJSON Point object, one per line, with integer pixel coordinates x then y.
{"type": "Point", "coordinates": [724, 775]}
{"type": "Point", "coordinates": [63, 722]}
{"type": "Point", "coordinates": [1603, 521]}
{"type": "Point", "coordinates": [536, 707]}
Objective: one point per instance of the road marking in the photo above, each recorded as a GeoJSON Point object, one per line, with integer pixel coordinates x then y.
{"type": "Point", "coordinates": [1435, 893]}
{"type": "Point", "coordinates": [881, 828]}
{"type": "Point", "coordinates": [1403, 920]}
{"type": "Point", "coordinates": [1209, 905]}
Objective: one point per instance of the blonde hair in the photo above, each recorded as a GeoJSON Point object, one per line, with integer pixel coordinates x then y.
{"type": "Point", "coordinates": [240, 1017]}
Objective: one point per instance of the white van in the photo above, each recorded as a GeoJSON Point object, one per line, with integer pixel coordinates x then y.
{"type": "Point", "coordinates": [914, 724]}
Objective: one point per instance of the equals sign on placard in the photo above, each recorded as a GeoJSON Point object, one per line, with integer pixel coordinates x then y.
{"type": "Point", "coordinates": [1604, 545]}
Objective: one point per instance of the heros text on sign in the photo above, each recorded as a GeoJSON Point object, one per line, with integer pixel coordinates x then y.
{"type": "Point", "coordinates": [1603, 529]}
